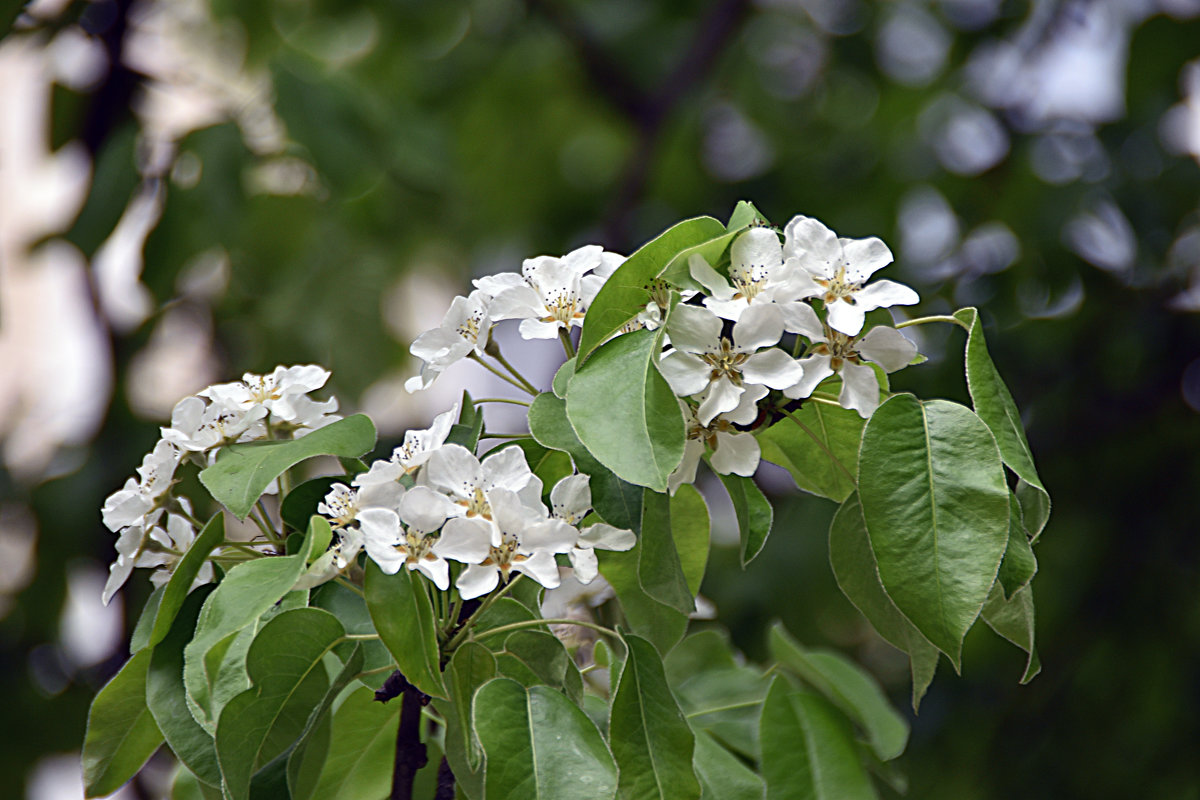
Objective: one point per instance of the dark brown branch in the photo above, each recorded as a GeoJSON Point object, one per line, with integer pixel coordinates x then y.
{"type": "Point", "coordinates": [410, 750]}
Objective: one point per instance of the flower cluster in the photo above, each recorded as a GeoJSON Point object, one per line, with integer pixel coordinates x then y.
{"type": "Point", "coordinates": [787, 314]}
{"type": "Point", "coordinates": [155, 528]}
{"type": "Point", "coordinates": [433, 502]}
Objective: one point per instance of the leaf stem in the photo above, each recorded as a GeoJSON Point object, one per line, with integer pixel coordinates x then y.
{"type": "Point", "coordinates": [821, 445]}
{"type": "Point", "coordinates": [530, 623]}
{"type": "Point", "coordinates": [496, 354]}
{"type": "Point", "coordinates": [349, 585]}
{"type": "Point", "coordinates": [935, 318]}
{"type": "Point", "coordinates": [503, 400]}
{"type": "Point", "coordinates": [500, 374]}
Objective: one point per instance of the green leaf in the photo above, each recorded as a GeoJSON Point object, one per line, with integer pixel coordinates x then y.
{"type": "Point", "coordinates": [539, 745]}
{"type": "Point", "coordinates": [535, 658]}
{"type": "Point", "coordinates": [995, 406]}
{"type": "Point", "coordinates": [167, 699]}
{"type": "Point", "coordinates": [403, 616]}
{"type": "Point", "coordinates": [243, 471]}
{"type": "Point", "coordinates": [1035, 509]}
{"type": "Point", "coordinates": [624, 412]}
{"type": "Point", "coordinates": [745, 214]}
{"type": "Point", "coordinates": [362, 744]}
{"type": "Point", "coordinates": [186, 786]}
{"type": "Point", "coordinates": [305, 758]}
{"type": "Point", "coordinates": [651, 740]}
{"type": "Point", "coordinates": [285, 667]}
{"type": "Point", "coordinates": [753, 512]}
{"type": "Point", "coordinates": [1014, 620]}
{"type": "Point", "coordinates": [140, 638]}
{"type": "Point", "coordinates": [466, 431]}
{"type": "Point", "coordinates": [350, 608]}
{"type": "Point", "coordinates": [808, 749]}
{"type": "Point", "coordinates": [180, 583]}
{"type": "Point", "coordinates": [659, 569]}
{"type": "Point", "coordinates": [849, 687]}
{"type": "Point", "coordinates": [691, 530]}
{"type": "Point", "coordinates": [616, 502]}
{"type": "Point", "coordinates": [121, 732]}
{"type": "Point", "coordinates": [935, 503]}
{"type": "Point", "coordinates": [471, 666]}
{"type": "Point", "coordinates": [821, 456]}
{"type": "Point", "coordinates": [724, 776]}
{"type": "Point", "coordinates": [562, 378]}
{"type": "Point", "coordinates": [1019, 564]}
{"type": "Point", "coordinates": [627, 290]}
{"type": "Point", "coordinates": [248, 591]}
{"type": "Point", "coordinates": [858, 577]}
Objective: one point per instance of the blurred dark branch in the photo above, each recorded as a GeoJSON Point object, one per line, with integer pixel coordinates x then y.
{"type": "Point", "coordinates": [647, 111]}
{"type": "Point", "coordinates": [111, 102]}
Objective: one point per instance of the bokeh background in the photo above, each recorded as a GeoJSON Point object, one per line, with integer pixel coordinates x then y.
{"type": "Point", "coordinates": [190, 189]}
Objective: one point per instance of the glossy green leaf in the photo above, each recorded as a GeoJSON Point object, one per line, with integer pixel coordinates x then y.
{"type": "Point", "coordinates": [306, 757]}
{"type": "Point", "coordinates": [849, 687]}
{"type": "Point", "coordinates": [627, 290]}
{"type": "Point", "coordinates": [821, 452]}
{"type": "Point", "coordinates": [248, 591]}
{"type": "Point", "coordinates": [289, 679]}
{"type": "Point", "coordinates": [745, 214]}
{"type": "Point", "coordinates": [624, 412]}
{"type": "Point", "coordinates": [539, 745]}
{"type": "Point", "coordinates": [471, 666]}
{"type": "Point", "coordinates": [1035, 509]}
{"type": "Point", "coordinates": [1014, 620]}
{"type": "Point", "coordinates": [808, 749]}
{"type": "Point", "coordinates": [722, 775]}
{"type": "Point", "coordinates": [935, 503]}
{"type": "Point", "coordinates": [659, 569]}
{"type": "Point", "coordinates": [403, 616]}
{"type": "Point", "coordinates": [650, 737]}
{"type": "Point", "coordinates": [362, 744]}
{"type": "Point", "coordinates": [466, 431]}
{"type": "Point", "coordinates": [616, 502]}
{"type": "Point", "coordinates": [121, 732]}
{"type": "Point", "coordinates": [350, 608]}
{"type": "Point", "coordinates": [691, 529]}
{"type": "Point", "coordinates": [167, 699]}
{"type": "Point", "coordinates": [562, 378]}
{"type": "Point", "coordinates": [243, 471]}
{"type": "Point", "coordinates": [854, 568]}
{"type": "Point", "coordinates": [180, 583]}
{"type": "Point", "coordinates": [753, 512]}
{"type": "Point", "coordinates": [540, 658]}
{"type": "Point", "coordinates": [140, 638]}
{"type": "Point", "coordinates": [1019, 564]}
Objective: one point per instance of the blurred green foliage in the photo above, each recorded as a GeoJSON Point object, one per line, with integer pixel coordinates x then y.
{"type": "Point", "coordinates": [452, 137]}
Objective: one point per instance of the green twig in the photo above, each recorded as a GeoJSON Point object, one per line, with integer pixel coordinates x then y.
{"type": "Point", "coordinates": [500, 374]}
{"type": "Point", "coordinates": [530, 623]}
{"type": "Point", "coordinates": [469, 623]}
{"type": "Point", "coordinates": [502, 400]}
{"type": "Point", "coordinates": [568, 347]}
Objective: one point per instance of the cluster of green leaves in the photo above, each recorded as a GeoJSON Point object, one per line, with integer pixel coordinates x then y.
{"type": "Point", "coordinates": [261, 690]}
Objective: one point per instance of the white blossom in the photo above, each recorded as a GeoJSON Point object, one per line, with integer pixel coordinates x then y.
{"type": "Point", "coordinates": [380, 485]}
{"type": "Point", "coordinates": [757, 275]}
{"type": "Point", "coordinates": [464, 330]}
{"type": "Point", "coordinates": [139, 502]}
{"type": "Point", "coordinates": [835, 352]}
{"type": "Point", "coordinates": [198, 426]}
{"type": "Point", "coordinates": [390, 545]}
{"type": "Point", "coordinates": [153, 546]}
{"type": "Point", "coordinates": [705, 362]}
{"type": "Point", "coordinates": [281, 393]}
{"type": "Point", "coordinates": [570, 502]}
{"type": "Point", "coordinates": [733, 451]}
{"type": "Point", "coordinates": [836, 270]}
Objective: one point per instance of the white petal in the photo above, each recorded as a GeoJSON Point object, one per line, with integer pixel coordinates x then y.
{"type": "Point", "coordinates": [816, 369]}
{"type": "Point", "coordinates": [453, 469]}
{"type": "Point", "coordinates": [813, 245]}
{"type": "Point", "coordinates": [887, 347]}
{"type": "Point", "coordinates": [773, 368]}
{"type": "Point", "coordinates": [722, 396]}
{"type": "Point", "coordinates": [436, 569]}
{"type": "Point", "coordinates": [727, 309]}
{"type": "Point", "coordinates": [736, 453]}
{"type": "Point", "coordinates": [518, 302]}
{"type": "Point", "coordinates": [757, 251]}
{"type": "Point", "coordinates": [586, 565]}
{"type": "Point", "coordinates": [693, 449]}
{"type": "Point", "coordinates": [860, 389]}
{"type": "Point", "coordinates": [536, 329]}
{"type": "Point", "coordinates": [477, 580]}
{"type": "Point", "coordinates": [426, 509]}
{"type": "Point", "coordinates": [686, 373]}
{"type": "Point", "coordinates": [542, 567]}
{"type": "Point", "coordinates": [864, 257]}
{"type": "Point", "coordinates": [551, 536]}
{"type": "Point", "coordinates": [885, 294]}
{"type": "Point", "coordinates": [800, 318]}
{"type": "Point", "coordinates": [703, 273]}
{"type": "Point", "coordinates": [607, 537]}
{"type": "Point", "coordinates": [495, 285]}
{"type": "Point", "coordinates": [694, 329]}
{"type": "Point", "coordinates": [571, 498]}
{"type": "Point", "coordinates": [379, 525]}
{"type": "Point", "coordinates": [760, 325]}
{"type": "Point", "coordinates": [845, 317]}
{"type": "Point", "coordinates": [465, 540]}
{"type": "Point", "coordinates": [386, 556]}
{"type": "Point", "coordinates": [511, 514]}
{"type": "Point", "coordinates": [747, 407]}
{"type": "Point", "coordinates": [506, 469]}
